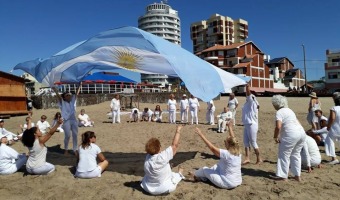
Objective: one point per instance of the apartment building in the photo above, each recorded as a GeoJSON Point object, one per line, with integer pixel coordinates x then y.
{"type": "Point", "coordinates": [332, 70]}
{"type": "Point", "coordinates": [218, 29]}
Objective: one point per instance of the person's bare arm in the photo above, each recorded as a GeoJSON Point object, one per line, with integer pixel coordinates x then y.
{"type": "Point", "coordinates": [101, 157]}
{"type": "Point", "coordinates": [57, 93]}
{"type": "Point", "coordinates": [277, 131]}
{"type": "Point", "coordinates": [46, 137]}
{"type": "Point", "coordinates": [175, 141]}
{"type": "Point", "coordinates": [248, 93]}
{"type": "Point", "coordinates": [213, 149]}
{"type": "Point", "coordinates": [78, 89]}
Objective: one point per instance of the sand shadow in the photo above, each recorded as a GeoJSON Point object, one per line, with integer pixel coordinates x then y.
{"type": "Point", "coordinates": [124, 163]}
{"type": "Point", "coordinates": [257, 173]}
{"type": "Point", "coordinates": [209, 156]}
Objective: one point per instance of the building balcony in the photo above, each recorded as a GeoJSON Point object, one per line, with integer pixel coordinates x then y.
{"type": "Point", "coordinates": [211, 58]}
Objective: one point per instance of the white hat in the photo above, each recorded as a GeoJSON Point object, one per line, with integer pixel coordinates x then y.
{"type": "Point", "coordinates": [184, 95]}
{"type": "Point", "coordinates": [1, 120]}
{"type": "Point", "coordinates": [313, 94]}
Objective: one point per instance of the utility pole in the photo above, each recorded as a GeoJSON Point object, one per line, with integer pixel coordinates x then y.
{"type": "Point", "coordinates": [304, 64]}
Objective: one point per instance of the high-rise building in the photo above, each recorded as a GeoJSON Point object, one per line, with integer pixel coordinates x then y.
{"type": "Point", "coordinates": [332, 70]}
{"type": "Point", "coordinates": [161, 20]}
{"type": "Point", "coordinates": [217, 29]}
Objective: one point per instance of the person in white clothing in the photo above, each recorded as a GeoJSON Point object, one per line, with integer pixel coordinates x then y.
{"type": "Point", "coordinates": [320, 134]}
{"type": "Point", "coordinates": [10, 160]}
{"type": "Point", "coordinates": [87, 158]}
{"type": "Point", "coordinates": [227, 172]}
{"type": "Point", "coordinates": [35, 141]}
{"type": "Point", "coordinates": [310, 154]}
{"type": "Point", "coordinates": [194, 107]}
{"type": "Point", "coordinates": [67, 105]}
{"type": "Point", "coordinates": [224, 118]}
{"type": "Point", "coordinates": [250, 122]}
{"type": "Point", "coordinates": [172, 107]}
{"type": "Point", "coordinates": [115, 109]}
{"type": "Point", "coordinates": [157, 114]}
{"type": "Point", "coordinates": [134, 115]}
{"type": "Point", "coordinates": [147, 115]}
{"type": "Point", "coordinates": [232, 105]}
{"type": "Point", "coordinates": [55, 120]}
{"type": "Point", "coordinates": [29, 124]}
{"type": "Point", "coordinates": [314, 104]}
{"type": "Point", "coordinates": [210, 115]}
{"type": "Point", "coordinates": [290, 136]}
{"type": "Point", "coordinates": [43, 125]}
{"type": "Point", "coordinates": [84, 119]}
{"type": "Point", "coordinates": [333, 128]}
{"type": "Point", "coordinates": [11, 137]}
{"type": "Point", "coordinates": [184, 109]}
{"type": "Point", "coordinates": [158, 178]}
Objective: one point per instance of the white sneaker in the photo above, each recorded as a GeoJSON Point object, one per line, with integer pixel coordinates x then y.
{"type": "Point", "coordinates": [334, 162]}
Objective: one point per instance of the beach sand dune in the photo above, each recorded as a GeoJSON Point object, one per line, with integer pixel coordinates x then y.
{"type": "Point", "coordinates": [123, 145]}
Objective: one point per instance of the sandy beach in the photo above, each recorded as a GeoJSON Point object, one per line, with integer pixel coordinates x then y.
{"type": "Point", "coordinates": [123, 146]}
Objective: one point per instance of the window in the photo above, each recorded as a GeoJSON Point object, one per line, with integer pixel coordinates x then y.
{"type": "Point", "coordinates": [220, 53]}
{"type": "Point", "coordinates": [333, 75]}
{"type": "Point", "coordinates": [220, 63]}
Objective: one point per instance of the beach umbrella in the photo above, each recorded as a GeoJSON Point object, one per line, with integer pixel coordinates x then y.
{"type": "Point", "coordinates": [132, 49]}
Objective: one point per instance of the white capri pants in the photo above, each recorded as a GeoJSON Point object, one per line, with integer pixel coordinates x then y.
{"type": "Point", "coordinates": [167, 186]}
{"type": "Point", "coordinates": [172, 116]}
{"type": "Point", "coordinates": [329, 144]}
{"type": "Point", "coordinates": [234, 115]}
{"type": "Point", "coordinates": [221, 125]}
{"type": "Point", "coordinates": [97, 172]}
{"type": "Point", "coordinates": [193, 113]}
{"type": "Point", "coordinates": [212, 174]}
{"type": "Point", "coordinates": [250, 135]}
{"type": "Point", "coordinates": [210, 116]}
{"type": "Point", "coordinates": [43, 170]}
{"type": "Point", "coordinates": [184, 116]}
{"type": "Point", "coordinates": [15, 166]}
{"type": "Point", "coordinates": [116, 116]}
{"type": "Point", "coordinates": [68, 126]}
{"type": "Point", "coordinates": [289, 154]}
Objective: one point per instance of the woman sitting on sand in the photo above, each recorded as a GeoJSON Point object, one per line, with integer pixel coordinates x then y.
{"type": "Point", "coordinates": [10, 160]}
{"type": "Point", "coordinates": [227, 172]}
{"type": "Point", "coordinates": [157, 114]}
{"type": "Point", "coordinates": [55, 120]}
{"type": "Point", "coordinates": [88, 153]}
{"type": "Point", "coordinates": [290, 136]}
{"type": "Point", "coordinates": [35, 141]}
{"type": "Point", "coordinates": [159, 179]}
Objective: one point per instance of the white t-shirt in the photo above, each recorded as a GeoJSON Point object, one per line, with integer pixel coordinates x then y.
{"type": "Point", "coordinates": [226, 115]}
{"type": "Point", "coordinates": [229, 168]}
{"type": "Point", "coordinates": [7, 157]}
{"type": "Point", "coordinates": [290, 124]}
{"type": "Point", "coordinates": [115, 104]}
{"type": "Point", "coordinates": [132, 114]}
{"type": "Point", "coordinates": [83, 117]}
{"type": "Point", "coordinates": [87, 158]}
{"type": "Point", "coordinates": [172, 104]}
{"type": "Point", "coordinates": [335, 128]}
{"type": "Point", "coordinates": [43, 126]}
{"type": "Point", "coordinates": [250, 111]}
{"type": "Point", "coordinates": [232, 103]}
{"type": "Point", "coordinates": [210, 105]}
{"type": "Point", "coordinates": [8, 134]}
{"type": "Point", "coordinates": [184, 104]}
{"type": "Point", "coordinates": [37, 155]}
{"type": "Point", "coordinates": [310, 150]}
{"type": "Point", "coordinates": [157, 169]}
{"type": "Point", "coordinates": [25, 126]}
{"type": "Point", "coordinates": [193, 103]}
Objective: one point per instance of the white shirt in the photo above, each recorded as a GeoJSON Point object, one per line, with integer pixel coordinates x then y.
{"type": "Point", "coordinates": [147, 114]}
{"type": "Point", "coordinates": [229, 168]}
{"type": "Point", "coordinates": [43, 126]}
{"type": "Point", "coordinates": [87, 158]}
{"type": "Point", "coordinates": [115, 104]}
{"type": "Point", "coordinates": [37, 155]}
{"type": "Point", "coordinates": [133, 113]}
{"type": "Point", "coordinates": [226, 115]}
{"type": "Point", "coordinates": [184, 104]}
{"type": "Point", "coordinates": [83, 117]}
{"type": "Point", "coordinates": [290, 124]}
{"type": "Point", "coordinates": [172, 104]}
{"type": "Point", "coordinates": [193, 103]}
{"type": "Point", "coordinates": [157, 170]}
{"type": "Point", "coordinates": [310, 150]}
{"type": "Point", "coordinates": [8, 134]}
{"type": "Point", "coordinates": [7, 157]}
{"type": "Point", "coordinates": [68, 109]}
{"type": "Point", "coordinates": [25, 126]}
{"type": "Point", "coordinates": [335, 128]}
{"type": "Point", "coordinates": [250, 111]}
{"type": "Point", "coordinates": [210, 105]}
{"type": "Point", "coordinates": [232, 103]}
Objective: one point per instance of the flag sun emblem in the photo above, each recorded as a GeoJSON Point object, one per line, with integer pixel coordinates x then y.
{"type": "Point", "coordinates": [128, 60]}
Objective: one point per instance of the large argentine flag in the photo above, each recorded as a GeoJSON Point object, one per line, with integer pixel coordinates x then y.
{"type": "Point", "coordinates": [132, 49]}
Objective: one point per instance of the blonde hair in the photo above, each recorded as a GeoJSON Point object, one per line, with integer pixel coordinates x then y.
{"type": "Point", "coordinates": [233, 146]}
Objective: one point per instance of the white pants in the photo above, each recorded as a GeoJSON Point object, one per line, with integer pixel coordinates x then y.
{"type": "Point", "coordinates": [116, 116]}
{"type": "Point", "coordinates": [210, 116]}
{"type": "Point", "coordinates": [68, 126]}
{"type": "Point", "coordinates": [221, 125]}
{"type": "Point", "coordinates": [43, 170]}
{"type": "Point", "coordinates": [184, 116]}
{"type": "Point", "coordinates": [15, 166]}
{"type": "Point", "coordinates": [167, 186]}
{"type": "Point", "coordinates": [314, 162]}
{"type": "Point", "coordinates": [234, 115]}
{"type": "Point", "coordinates": [193, 113]}
{"type": "Point", "coordinates": [172, 116]}
{"type": "Point", "coordinates": [213, 175]}
{"type": "Point", "coordinates": [289, 154]}
{"type": "Point", "coordinates": [329, 144]}
{"type": "Point", "coordinates": [250, 135]}
{"type": "Point", "coordinates": [97, 172]}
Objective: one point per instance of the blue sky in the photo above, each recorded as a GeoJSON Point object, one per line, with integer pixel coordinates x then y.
{"type": "Point", "coordinates": [40, 28]}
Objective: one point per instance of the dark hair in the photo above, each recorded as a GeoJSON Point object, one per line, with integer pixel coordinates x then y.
{"type": "Point", "coordinates": [318, 110]}
{"type": "Point", "coordinates": [146, 109]}
{"type": "Point", "coordinates": [43, 117]}
{"type": "Point", "coordinates": [85, 139]}
{"type": "Point", "coordinates": [28, 137]}
{"type": "Point", "coordinates": [153, 146]}
{"type": "Point", "coordinates": [64, 94]}
{"type": "Point", "coordinates": [337, 101]}
{"type": "Point", "coordinates": [135, 111]}
{"type": "Point", "coordinates": [56, 116]}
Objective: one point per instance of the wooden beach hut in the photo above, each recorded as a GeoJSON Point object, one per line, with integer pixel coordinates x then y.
{"type": "Point", "coordinates": [13, 100]}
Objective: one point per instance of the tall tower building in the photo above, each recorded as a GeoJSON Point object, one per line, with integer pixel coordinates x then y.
{"type": "Point", "coordinates": [161, 20]}
{"type": "Point", "coordinates": [217, 30]}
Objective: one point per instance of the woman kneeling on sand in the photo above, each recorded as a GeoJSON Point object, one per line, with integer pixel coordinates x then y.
{"type": "Point", "coordinates": [88, 153]}
{"type": "Point", "coordinates": [159, 179]}
{"type": "Point", "coordinates": [227, 172]}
